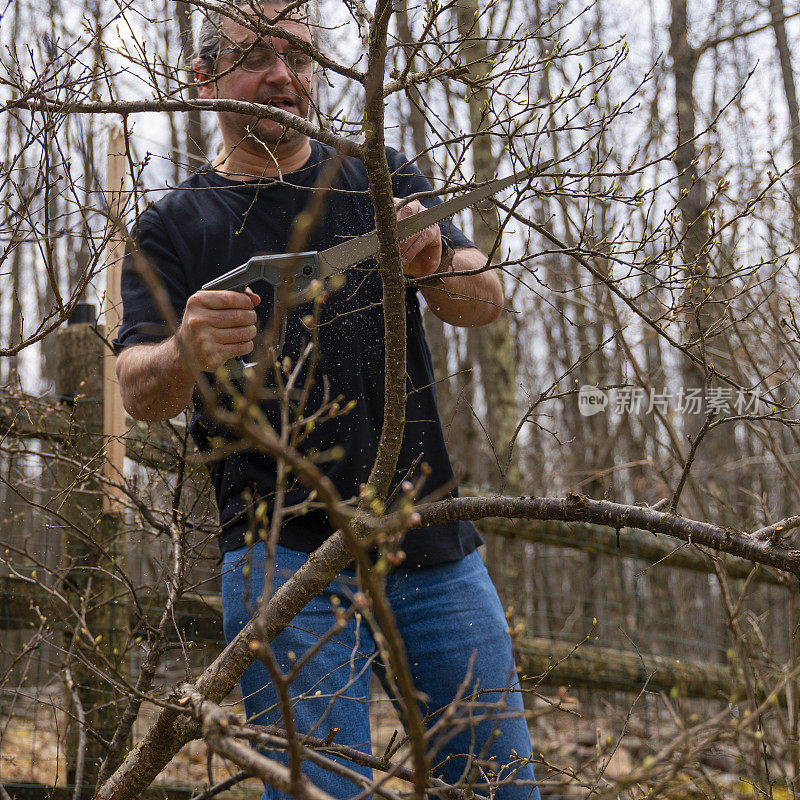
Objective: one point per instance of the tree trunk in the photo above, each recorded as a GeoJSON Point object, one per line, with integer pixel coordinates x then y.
{"type": "Point", "coordinates": [195, 142]}
{"type": "Point", "coordinates": [13, 133]}
{"type": "Point", "coordinates": [491, 346]}
{"type": "Point", "coordinates": [777, 14]}
{"type": "Point", "coordinates": [700, 301]}
{"type": "Point", "coordinates": [417, 123]}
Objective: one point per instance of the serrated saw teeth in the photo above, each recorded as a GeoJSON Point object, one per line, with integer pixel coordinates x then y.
{"type": "Point", "coordinates": [336, 259]}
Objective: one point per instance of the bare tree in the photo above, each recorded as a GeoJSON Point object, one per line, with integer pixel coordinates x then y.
{"type": "Point", "coordinates": [627, 264]}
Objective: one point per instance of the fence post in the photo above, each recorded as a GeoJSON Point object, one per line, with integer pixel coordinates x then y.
{"type": "Point", "coordinates": [113, 412]}
{"type": "Point", "coordinates": [94, 637]}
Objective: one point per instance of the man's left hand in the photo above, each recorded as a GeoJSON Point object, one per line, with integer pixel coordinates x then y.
{"type": "Point", "coordinates": [422, 253]}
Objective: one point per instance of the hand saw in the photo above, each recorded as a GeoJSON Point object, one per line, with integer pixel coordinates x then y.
{"type": "Point", "coordinates": [321, 265]}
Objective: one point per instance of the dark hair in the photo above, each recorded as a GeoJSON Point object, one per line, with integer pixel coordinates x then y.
{"type": "Point", "coordinates": [210, 33]}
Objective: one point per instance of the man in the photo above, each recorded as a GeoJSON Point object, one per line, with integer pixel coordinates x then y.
{"type": "Point", "coordinates": [244, 203]}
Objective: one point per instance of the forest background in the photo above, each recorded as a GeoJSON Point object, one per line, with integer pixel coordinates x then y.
{"type": "Point", "coordinates": [653, 269]}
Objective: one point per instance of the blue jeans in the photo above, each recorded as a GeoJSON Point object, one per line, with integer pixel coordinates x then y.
{"type": "Point", "coordinates": [445, 614]}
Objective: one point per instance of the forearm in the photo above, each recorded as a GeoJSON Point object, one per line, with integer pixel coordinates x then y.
{"type": "Point", "coordinates": [154, 381]}
{"type": "Point", "coordinates": [465, 300]}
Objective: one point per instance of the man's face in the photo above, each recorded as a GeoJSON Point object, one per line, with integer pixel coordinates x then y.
{"type": "Point", "coordinates": [280, 84]}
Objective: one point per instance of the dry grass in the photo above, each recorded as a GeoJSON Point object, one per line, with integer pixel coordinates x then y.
{"type": "Point", "coordinates": [30, 752]}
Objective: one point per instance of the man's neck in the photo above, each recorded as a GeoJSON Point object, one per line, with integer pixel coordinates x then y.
{"type": "Point", "coordinates": [240, 163]}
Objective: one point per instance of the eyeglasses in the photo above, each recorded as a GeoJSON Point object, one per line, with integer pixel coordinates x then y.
{"type": "Point", "coordinates": [261, 58]}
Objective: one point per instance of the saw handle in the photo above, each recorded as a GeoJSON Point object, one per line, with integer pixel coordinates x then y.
{"type": "Point", "coordinates": [271, 269]}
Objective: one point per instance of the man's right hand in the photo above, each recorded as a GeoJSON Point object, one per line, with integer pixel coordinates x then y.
{"type": "Point", "coordinates": [217, 326]}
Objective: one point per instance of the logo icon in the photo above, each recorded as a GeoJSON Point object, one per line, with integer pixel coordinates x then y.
{"type": "Point", "coordinates": [591, 400]}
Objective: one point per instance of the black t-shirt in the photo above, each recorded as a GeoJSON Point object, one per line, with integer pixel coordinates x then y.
{"type": "Point", "coordinates": [209, 225]}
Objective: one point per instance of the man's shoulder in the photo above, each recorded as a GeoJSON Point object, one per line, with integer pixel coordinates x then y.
{"type": "Point", "coordinates": [178, 206]}
{"type": "Point", "coordinates": [187, 192]}
{"type": "Point", "coordinates": [397, 160]}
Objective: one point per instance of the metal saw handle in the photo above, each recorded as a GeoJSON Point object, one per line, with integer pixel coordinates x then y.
{"type": "Point", "coordinates": [271, 269]}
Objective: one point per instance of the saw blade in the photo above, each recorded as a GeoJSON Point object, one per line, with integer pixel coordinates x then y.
{"type": "Point", "coordinates": [351, 252]}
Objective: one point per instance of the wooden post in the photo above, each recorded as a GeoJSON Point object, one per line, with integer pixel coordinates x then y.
{"type": "Point", "coordinates": [113, 412]}
{"type": "Point", "coordinates": [87, 380]}
{"type": "Point", "coordinates": [84, 542]}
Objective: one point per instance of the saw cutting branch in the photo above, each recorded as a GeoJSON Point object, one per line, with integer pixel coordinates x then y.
{"type": "Point", "coordinates": [303, 268]}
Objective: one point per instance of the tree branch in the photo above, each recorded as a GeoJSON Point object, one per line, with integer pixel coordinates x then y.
{"type": "Point", "coordinates": [731, 37]}
{"type": "Point", "coordinates": [125, 107]}
{"type": "Point", "coordinates": [578, 508]}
